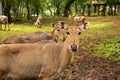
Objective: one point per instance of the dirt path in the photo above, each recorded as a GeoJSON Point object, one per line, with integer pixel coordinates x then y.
{"type": "Point", "coordinates": [86, 66]}
{"type": "Point", "coordinates": [89, 67]}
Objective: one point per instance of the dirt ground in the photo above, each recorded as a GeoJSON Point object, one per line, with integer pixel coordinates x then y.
{"type": "Point", "coordinates": [89, 67]}
{"type": "Point", "coordinates": [86, 66]}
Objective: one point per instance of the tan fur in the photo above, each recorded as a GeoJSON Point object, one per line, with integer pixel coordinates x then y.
{"type": "Point", "coordinates": [4, 20]}
{"type": "Point", "coordinates": [70, 17]}
{"type": "Point", "coordinates": [56, 35]}
{"type": "Point", "coordinates": [61, 24]}
{"type": "Point", "coordinates": [38, 23]}
{"type": "Point", "coordinates": [45, 60]}
{"type": "Point", "coordinates": [78, 19]}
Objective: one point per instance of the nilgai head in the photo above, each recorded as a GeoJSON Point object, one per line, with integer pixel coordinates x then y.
{"type": "Point", "coordinates": [58, 33]}
{"type": "Point", "coordinates": [73, 36]}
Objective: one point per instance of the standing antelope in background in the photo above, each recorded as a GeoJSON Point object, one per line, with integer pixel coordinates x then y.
{"type": "Point", "coordinates": [38, 23]}
{"type": "Point", "coordinates": [45, 60]}
{"type": "Point", "coordinates": [4, 20]}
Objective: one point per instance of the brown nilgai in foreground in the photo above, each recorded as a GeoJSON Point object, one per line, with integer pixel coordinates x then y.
{"type": "Point", "coordinates": [45, 60]}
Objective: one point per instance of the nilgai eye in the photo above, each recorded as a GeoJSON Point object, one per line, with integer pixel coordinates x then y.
{"type": "Point", "coordinates": [58, 30]}
{"type": "Point", "coordinates": [62, 27]}
{"type": "Point", "coordinates": [79, 33]}
{"type": "Point", "coordinates": [68, 33]}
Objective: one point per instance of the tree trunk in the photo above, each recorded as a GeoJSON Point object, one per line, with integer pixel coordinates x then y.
{"type": "Point", "coordinates": [70, 12]}
{"type": "Point", "coordinates": [76, 9]}
{"type": "Point", "coordinates": [89, 10]}
{"type": "Point", "coordinates": [118, 8]}
{"type": "Point", "coordinates": [104, 10]}
{"type": "Point", "coordinates": [2, 7]}
{"type": "Point", "coordinates": [7, 8]}
{"type": "Point", "coordinates": [67, 7]}
{"type": "Point", "coordinates": [83, 11]}
{"type": "Point", "coordinates": [95, 9]}
{"type": "Point", "coordinates": [28, 9]}
{"type": "Point", "coordinates": [98, 9]}
{"type": "Point", "coordinates": [110, 10]}
{"type": "Point", "coordinates": [58, 10]}
{"type": "Point", "coordinates": [36, 10]}
{"type": "Point", "coordinates": [115, 10]}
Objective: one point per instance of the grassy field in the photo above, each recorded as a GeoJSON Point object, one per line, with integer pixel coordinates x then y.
{"type": "Point", "coordinates": [102, 37]}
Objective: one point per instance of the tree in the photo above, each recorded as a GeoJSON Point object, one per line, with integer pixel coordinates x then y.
{"type": "Point", "coordinates": [6, 8]}
{"type": "Point", "coordinates": [67, 7]}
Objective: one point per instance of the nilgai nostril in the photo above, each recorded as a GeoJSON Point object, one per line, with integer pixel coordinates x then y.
{"type": "Point", "coordinates": [64, 38]}
{"type": "Point", "coordinates": [74, 47]}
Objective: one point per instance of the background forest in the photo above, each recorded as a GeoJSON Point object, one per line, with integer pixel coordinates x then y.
{"type": "Point", "coordinates": [27, 9]}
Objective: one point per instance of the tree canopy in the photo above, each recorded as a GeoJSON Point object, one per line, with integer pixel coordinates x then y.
{"type": "Point", "coordinates": [31, 8]}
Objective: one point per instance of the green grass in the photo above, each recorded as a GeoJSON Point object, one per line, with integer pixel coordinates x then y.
{"type": "Point", "coordinates": [109, 48]}
{"type": "Point", "coordinates": [22, 29]}
{"type": "Point", "coordinates": [101, 39]}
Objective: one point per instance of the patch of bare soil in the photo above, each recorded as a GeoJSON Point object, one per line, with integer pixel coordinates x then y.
{"type": "Point", "coordinates": [89, 67]}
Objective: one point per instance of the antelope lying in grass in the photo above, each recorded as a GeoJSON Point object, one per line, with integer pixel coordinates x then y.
{"type": "Point", "coordinates": [78, 19]}
{"type": "Point", "coordinates": [4, 20]}
{"type": "Point", "coordinates": [38, 22]}
{"type": "Point", "coordinates": [45, 60]}
{"type": "Point", "coordinates": [56, 35]}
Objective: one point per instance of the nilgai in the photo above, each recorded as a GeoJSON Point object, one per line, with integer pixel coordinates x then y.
{"type": "Point", "coordinates": [45, 60]}
{"type": "Point", "coordinates": [4, 20]}
{"type": "Point", "coordinates": [38, 22]}
{"type": "Point", "coordinates": [78, 19]}
{"type": "Point", "coordinates": [56, 35]}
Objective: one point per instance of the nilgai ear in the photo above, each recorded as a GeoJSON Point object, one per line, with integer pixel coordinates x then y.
{"type": "Point", "coordinates": [65, 26]}
{"type": "Point", "coordinates": [84, 26]}
{"type": "Point", "coordinates": [61, 24]}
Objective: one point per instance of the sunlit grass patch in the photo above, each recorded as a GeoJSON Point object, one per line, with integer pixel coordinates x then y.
{"type": "Point", "coordinates": [101, 30]}
{"type": "Point", "coordinates": [102, 39]}
{"type": "Point", "coordinates": [100, 25]}
{"type": "Point", "coordinates": [22, 29]}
